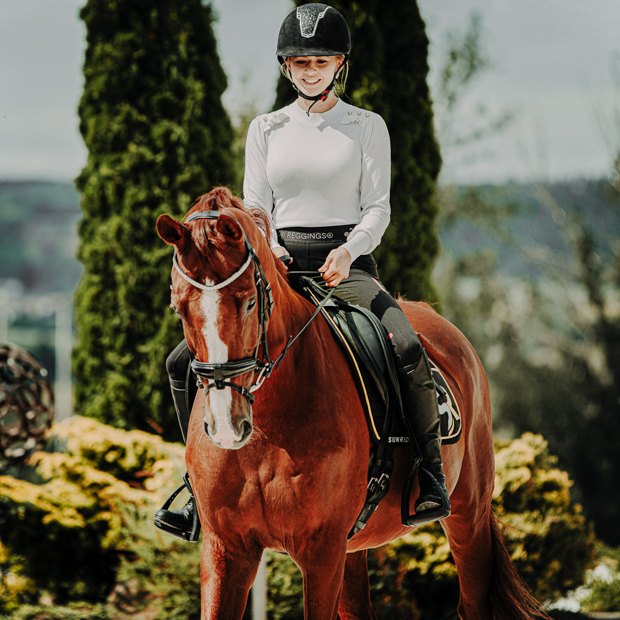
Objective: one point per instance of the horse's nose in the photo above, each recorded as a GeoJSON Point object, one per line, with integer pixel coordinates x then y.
{"type": "Point", "coordinates": [241, 433]}
{"type": "Point", "coordinates": [245, 430]}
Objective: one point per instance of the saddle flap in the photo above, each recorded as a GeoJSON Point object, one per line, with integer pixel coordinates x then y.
{"type": "Point", "coordinates": [365, 342]}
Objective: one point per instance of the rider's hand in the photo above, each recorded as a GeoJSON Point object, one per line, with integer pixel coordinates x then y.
{"type": "Point", "coordinates": [280, 251]}
{"type": "Point", "coordinates": [336, 267]}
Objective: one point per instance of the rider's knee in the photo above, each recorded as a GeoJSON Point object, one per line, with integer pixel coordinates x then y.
{"type": "Point", "coordinates": [406, 343]}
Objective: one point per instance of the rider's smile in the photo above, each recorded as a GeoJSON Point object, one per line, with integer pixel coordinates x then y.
{"type": "Point", "coordinates": [313, 73]}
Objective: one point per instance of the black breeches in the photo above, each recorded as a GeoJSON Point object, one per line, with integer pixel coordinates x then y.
{"type": "Point", "coordinates": [363, 289]}
{"type": "Point", "coordinates": [310, 247]}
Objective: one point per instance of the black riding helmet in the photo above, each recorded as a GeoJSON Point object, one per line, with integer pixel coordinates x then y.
{"type": "Point", "coordinates": [314, 30]}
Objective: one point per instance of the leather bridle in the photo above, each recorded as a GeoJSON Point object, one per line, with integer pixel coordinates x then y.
{"type": "Point", "coordinates": [218, 373]}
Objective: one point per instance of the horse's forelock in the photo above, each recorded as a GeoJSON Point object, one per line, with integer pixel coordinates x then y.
{"type": "Point", "coordinates": [219, 199]}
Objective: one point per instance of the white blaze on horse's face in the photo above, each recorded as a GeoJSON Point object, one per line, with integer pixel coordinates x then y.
{"type": "Point", "coordinates": [224, 434]}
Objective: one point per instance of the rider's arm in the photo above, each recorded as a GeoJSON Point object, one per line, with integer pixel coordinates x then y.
{"type": "Point", "coordinates": [257, 191]}
{"type": "Point", "coordinates": [374, 188]}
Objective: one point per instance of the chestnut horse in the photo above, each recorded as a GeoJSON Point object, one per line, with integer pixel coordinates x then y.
{"type": "Point", "coordinates": [289, 472]}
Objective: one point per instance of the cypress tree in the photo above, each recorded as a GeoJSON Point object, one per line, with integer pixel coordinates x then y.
{"type": "Point", "coordinates": [388, 72]}
{"type": "Point", "coordinates": [157, 135]}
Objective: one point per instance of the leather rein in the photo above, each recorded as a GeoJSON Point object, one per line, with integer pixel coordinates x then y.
{"type": "Point", "coordinates": [217, 374]}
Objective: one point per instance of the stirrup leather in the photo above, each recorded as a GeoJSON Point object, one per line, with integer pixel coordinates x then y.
{"type": "Point", "coordinates": [188, 536]}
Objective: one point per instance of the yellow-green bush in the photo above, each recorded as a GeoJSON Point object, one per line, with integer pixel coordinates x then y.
{"type": "Point", "coordinates": [549, 540]}
{"type": "Point", "coordinates": [414, 577]}
{"type": "Point", "coordinates": [67, 535]}
{"type": "Point", "coordinates": [604, 589]}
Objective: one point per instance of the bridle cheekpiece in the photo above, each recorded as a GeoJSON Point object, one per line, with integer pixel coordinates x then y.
{"type": "Point", "coordinates": [218, 373]}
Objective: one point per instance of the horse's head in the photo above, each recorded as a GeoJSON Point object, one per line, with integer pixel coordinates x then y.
{"type": "Point", "coordinates": [219, 296]}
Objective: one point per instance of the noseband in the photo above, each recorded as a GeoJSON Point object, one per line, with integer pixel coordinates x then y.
{"type": "Point", "coordinates": [218, 373]}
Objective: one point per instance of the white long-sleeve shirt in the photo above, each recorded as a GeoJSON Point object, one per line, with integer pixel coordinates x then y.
{"type": "Point", "coordinates": [326, 169]}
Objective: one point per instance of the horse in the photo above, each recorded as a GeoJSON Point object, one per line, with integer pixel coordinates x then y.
{"type": "Point", "coordinates": [278, 456]}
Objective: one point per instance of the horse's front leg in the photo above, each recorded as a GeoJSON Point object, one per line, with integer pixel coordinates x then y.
{"type": "Point", "coordinates": [355, 598]}
{"type": "Point", "coordinates": [322, 567]}
{"type": "Point", "coordinates": [226, 574]}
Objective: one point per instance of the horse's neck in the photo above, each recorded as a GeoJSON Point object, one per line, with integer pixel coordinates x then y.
{"type": "Point", "coordinates": [291, 312]}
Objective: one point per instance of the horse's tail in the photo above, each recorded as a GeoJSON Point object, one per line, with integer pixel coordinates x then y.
{"type": "Point", "coordinates": [509, 596]}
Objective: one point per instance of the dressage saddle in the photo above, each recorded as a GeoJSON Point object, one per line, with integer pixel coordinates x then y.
{"type": "Point", "coordinates": [366, 345]}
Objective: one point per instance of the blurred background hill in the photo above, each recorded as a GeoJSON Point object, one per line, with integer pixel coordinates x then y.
{"type": "Point", "coordinates": [38, 228]}
{"type": "Point", "coordinates": [38, 236]}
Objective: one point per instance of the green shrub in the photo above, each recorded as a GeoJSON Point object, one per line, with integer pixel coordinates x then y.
{"type": "Point", "coordinates": [157, 136]}
{"type": "Point", "coordinates": [16, 589]}
{"type": "Point", "coordinates": [71, 612]}
{"type": "Point", "coordinates": [85, 536]}
{"type": "Point", "coordinates": [67, 535]}
{"type": "Point", "coordinates": [550, 541]}
{"type": "Point", "coordinates": [604, 590]}
{"type": "Point", "coordinates": [285, 588]}
{"type": "Point", "coordinates": [414, 577]}
{"type": "Point", "coordinates": [161, 573]}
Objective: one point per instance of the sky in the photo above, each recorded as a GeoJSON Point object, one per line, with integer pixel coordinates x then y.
{"type": "Point", "coordinates": [551, 64]}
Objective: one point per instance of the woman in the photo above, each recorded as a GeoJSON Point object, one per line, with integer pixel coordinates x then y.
{"type": "Point", "coordinates": [320, 169]}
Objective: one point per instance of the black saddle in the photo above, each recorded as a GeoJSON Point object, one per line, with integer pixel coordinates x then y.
{"type": "Point", "coordinates": [368, 350]}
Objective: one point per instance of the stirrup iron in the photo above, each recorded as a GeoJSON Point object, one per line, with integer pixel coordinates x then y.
{"type": "Point", "coordinates": [191, 536]}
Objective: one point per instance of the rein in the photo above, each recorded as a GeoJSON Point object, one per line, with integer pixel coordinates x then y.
{"type": "Point", "coordinates": [219, 372]}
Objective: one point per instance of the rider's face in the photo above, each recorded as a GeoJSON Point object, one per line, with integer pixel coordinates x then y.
{"type": "Point", "coordinates": [313, 74]}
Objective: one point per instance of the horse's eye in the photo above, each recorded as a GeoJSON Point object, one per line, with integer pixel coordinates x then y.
{"type": "Point", "coordinates": [251, 305]}
{"type": "Point", "coordinates": [178, 316]}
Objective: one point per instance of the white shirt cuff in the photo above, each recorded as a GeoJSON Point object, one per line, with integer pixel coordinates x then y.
{"type": "Point", "coordinates": [357, 244]}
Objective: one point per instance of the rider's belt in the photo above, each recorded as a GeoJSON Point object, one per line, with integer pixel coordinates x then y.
{"type": "Point", "coordinates": [321, 234]}
{"type": "Point", "coordinates": [309, 247]}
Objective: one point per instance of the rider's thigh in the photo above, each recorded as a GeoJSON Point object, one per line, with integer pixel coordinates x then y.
{"type": "Point", "coordinates": [365, 290]}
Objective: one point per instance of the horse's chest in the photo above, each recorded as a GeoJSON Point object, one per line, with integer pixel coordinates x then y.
{"type": "Point", "coordinates": [278, 499]}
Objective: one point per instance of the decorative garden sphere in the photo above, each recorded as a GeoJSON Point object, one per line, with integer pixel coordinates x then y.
{"type": "Point", "coordinates": [26, 405]}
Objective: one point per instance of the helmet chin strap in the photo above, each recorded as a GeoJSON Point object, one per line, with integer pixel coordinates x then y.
{"type": "Point", "coordinates": [322, 96]}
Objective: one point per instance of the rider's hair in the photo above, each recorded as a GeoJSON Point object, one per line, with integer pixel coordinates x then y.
{"type": "Point", "coordinates": [341, 82]}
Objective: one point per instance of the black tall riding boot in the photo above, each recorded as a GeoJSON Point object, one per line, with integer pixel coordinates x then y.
{"type": "Point", "coordinates": [182, 523]}
{"type": "Point", "coordinates": [420, 405]}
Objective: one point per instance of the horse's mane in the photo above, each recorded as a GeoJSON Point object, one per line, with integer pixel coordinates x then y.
{"type": "Point", "coordinates": [218, 199]}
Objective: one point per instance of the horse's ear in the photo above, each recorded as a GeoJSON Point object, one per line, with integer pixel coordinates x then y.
{"type": "Point", "coordinates": [172, 231]}
{"type": "Point", "coordinates": [229, 227]}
